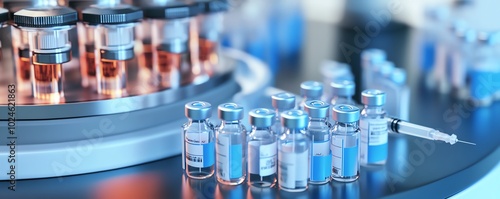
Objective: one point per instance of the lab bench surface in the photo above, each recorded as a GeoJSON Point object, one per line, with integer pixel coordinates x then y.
{"type": "Point", "coordinates": [416, 168]}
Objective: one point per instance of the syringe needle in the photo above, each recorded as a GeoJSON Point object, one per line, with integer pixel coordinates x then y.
{"type": "Point", "coordinates": [466, 142]}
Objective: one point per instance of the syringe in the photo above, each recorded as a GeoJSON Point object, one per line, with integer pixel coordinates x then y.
{"type": "Point", "coordinates": [399, 126]}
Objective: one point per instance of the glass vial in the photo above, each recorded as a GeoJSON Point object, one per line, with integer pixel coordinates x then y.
{"type": "Point", "coordinates": [318, 130]}
{"type": "Point", "coordinates": [262, 149]}
{"type": "Point", "coordinates": [198, 145]}
{"type": "Point", "coordinates": [345, 142]}
{"type": "Point", "coordinates": [87, 56]}
{"type": "Point", "coordinates": [342, 92]}
{"type": "Point", "coordinates": [231, 145]}
{"type": "Point", "coordinates": [373, 126]}
{"type": "Point", "coordinates": [281, 102]}
{"type": "Point", "coordinates": [370, 60]}
{"type": "Point", "coordinates": [293, 152]}
{"type": "Point", "coordinates": [310, 90]}
{"type": "Point", "coordinates": [21, 53]}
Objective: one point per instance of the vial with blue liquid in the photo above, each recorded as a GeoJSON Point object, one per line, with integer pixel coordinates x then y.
{"type": "Point", "coordinates": [318, 131]}
{"type": "Point", "coordinates": [198, 154]}
{"type": "Point", "coordinates": [293, 152]}
{"type": "Point", "coordinates": [281, 102]}
{"type": "Point", "coordinates": [373, 126]}
{"type": "Point", "coordinates": [345, 142]}
{"type": "Point", "coordinates": [262, 149]}
{"type": "Point", "coordinates": [310, 90]}
{"type": "Point", "coordinates": [231, 145]}
{"type": "Point", "coordinates": [342, 92]}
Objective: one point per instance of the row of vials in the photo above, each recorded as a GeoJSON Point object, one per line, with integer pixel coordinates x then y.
{"type": "Point", "coordinates": [288, 146]}
{"type": "Point", "coordinates": [176, 43]}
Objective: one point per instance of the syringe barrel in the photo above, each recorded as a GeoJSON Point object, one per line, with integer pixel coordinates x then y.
{"type": "Point", "coordinates": [399, 126]}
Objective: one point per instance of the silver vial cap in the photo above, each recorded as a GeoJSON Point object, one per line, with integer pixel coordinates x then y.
{"type": "Point", "coordinates": [198, 110]}
{"type": "Point", "coordinates": [373, 55]}
{"type": "Point", "coordinates": [316, 108]}
{"type": "Point", "coordinates": [311, 89]}
{"type": "Point", "coordinates": [343, 88]}
{"type": "Point", "coordinates": [262, 117]}
{"type": "Point", "coordinates": [345, 113]}
{"type": "Point", "coordinates": [373, 97]}
{"type": "Point", "coordinates": [294, 119]}
{"type": "Point", "coordinates": [230, 111]}
{"type": "Point", "coordinates": [283, 101]}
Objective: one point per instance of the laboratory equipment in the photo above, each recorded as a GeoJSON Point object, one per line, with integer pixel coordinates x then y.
{"type": "Point", "coordinates": [198, 150]}
{"type": "Point", "coordinates": [345, 143]}
{"type": "Point", "coordinates": [262, 149]}
{"type": "Point", "coordinates": [293, 152]}
{"type": "Point", "coordinates": [281, 102]}
{"type": "Point", "coordinates": [113, 28]}
{"type": "Point", "coordinates": [47, 25]}
{"type": "Point", "coordinates": [310, 90]}
{"type": "Point", "coordinates": [231, 145]}
{"type": "Point", "coordinates": [373, 125]}
{"type": "Point", "coordinates": [342, 92]}
{"type": "Point", "coordinates": [318, 131]}
{"type": "Point", "coordinates": [407, 128]}
{"type": "Point", "coordinates": [173, 38]}
{"type": "Point", "coordinates": [210, 23]}
{"type": "Point", "coordinates": [370, 61]}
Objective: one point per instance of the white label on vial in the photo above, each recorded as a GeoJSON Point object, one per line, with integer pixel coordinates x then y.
{"type": "Point", "coordinates": [195, 155]}
{"type": "Point", "coordinates": [373, 133]}
{"type": "Point", "coordinates": [293, 169]}
{"type": "Point", "coordinates": [262, 159]}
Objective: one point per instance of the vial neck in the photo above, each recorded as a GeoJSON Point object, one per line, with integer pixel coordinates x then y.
{"type": "Point", "coordinates": [293, 130]}
{"type": "Point", "coordinates": [370, 109]}
{"type": "Point", "coordinates": [205, 121]}
{"type": "Point", "coordinates": [226, 123]}
{"type": "Point", "coordinates": [317, 120]}
{"type": "Point", "coordinates": [338, 99]}
{"type": "Point", "coordinates": [256, 128]}
{"type": "Point", "coordinates": [346, 126]}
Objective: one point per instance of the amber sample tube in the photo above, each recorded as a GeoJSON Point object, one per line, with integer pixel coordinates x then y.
{"type": "Point", "coordinates": [146, 57]}
{"type": "Point", "coordinates": [24, 63]}
{"type": "Point", "coordinates": [48, 82]}
{"type": "Point", "coordinates": [168, 68]}
{"type": "Point", "coordinates": [208, 55]}
{"type": "Point", "coordinates": [113, 77]}
{"type": "Point", "coordinates": [88, 67]}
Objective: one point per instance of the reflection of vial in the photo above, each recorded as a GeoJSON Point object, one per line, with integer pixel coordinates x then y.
{"type": "Point", "coordinates": [373, 125]}
{"type": "Point", "coordinates": [231, 145]}
{"type": "Point", "coordinates": [114, 43]}
{"type": "Point", "coordinates": [47, 26]}
{"type": "Point", "coordinates": [318, 131]}
{"type": "Point", "coordinates": [345, 141]}
{"type": "Point", "coordinates": [293, 152]}
{"type": "Point", "coordinates": [210, 28]}
{"type": "Point", "coordinates": [342, 92]}
{"type": "Point", "coordinates": [198, 150]}
{"type": "Point", "coordinates": [310, 90]}
{"type": "Point", "coordinates": [281, 102]}
{"type": "Point", "coordinates": [262, 149]}
{"type": "Point", "coordinates": [170, 40]}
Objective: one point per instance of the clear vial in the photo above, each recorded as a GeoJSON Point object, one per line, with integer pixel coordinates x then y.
{"type": "Point", "coordinates": [198, 146]}
{"type": "Point", "coordinates": [293, 152]}
{"type": "Point", "coordinates": [310, 90]}
{"type": "Point", "coordinates": [342, 92]}
{"type": "Point", "coordinates": [262, 149]}
{"type": "Point", "coordinates": [231, 145]}
{"type": "Point", "coordinates": [281, 102]}
{"type": "Point", "coordinates": [345, 142]}
{"type": "Point", "coordinates": [318, 131]}
{"type": "Point", "coordinates": [370, 59]}
{"type": "Point", "coordinates": [400, 100]}
{"type": "Point", "coordinates": [373, 126]}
